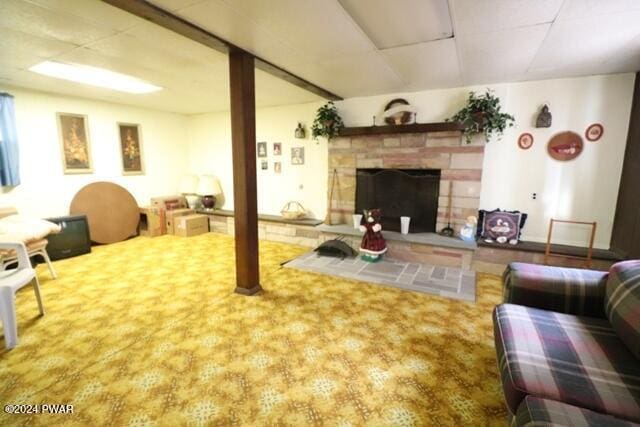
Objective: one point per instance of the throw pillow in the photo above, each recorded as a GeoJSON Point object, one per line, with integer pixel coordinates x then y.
{"type": "Point", "coordinates": [500, 226]}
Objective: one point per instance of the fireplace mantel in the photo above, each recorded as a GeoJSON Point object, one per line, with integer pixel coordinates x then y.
{"type": "Point", "coordinates": [395, 129]}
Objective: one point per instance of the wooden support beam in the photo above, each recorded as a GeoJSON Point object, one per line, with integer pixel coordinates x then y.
{"type": "Point", "coordinates": [145, 10]}
{"type": "Point", "coordinates": [245, 191]}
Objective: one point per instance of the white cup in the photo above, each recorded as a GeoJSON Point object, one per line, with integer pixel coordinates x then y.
{"type": "Point", "coordinates": [404, 224]}
{"type": "Point", "coordinates": [357, 218]}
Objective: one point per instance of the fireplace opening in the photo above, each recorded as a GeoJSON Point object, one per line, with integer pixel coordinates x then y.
{"type": "Point", "coordinates": [400, 192]}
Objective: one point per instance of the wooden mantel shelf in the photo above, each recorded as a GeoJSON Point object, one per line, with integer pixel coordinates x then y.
{"type": "Point", "coordinates": [411, 128]}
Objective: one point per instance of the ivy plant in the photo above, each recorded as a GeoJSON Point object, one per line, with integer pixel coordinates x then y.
{"type": "Point", "coordinates": [327, 123]}
{"type": "Point", "coordinates": [483, 114]}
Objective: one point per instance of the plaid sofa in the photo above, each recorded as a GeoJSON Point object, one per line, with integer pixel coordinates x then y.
{"type": "Point", "coordinates": [536, 412]}
{"type": "Point", "coordinates": [571, 336]}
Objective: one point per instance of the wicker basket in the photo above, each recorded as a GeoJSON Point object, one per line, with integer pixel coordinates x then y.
{"type": "Point", "coordinates": [293, 210]}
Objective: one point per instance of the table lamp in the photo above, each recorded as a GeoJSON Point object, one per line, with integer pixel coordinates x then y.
{"type": "Point", "coordinates": [188, 187]}
{"type": "Point", "coordinates": [208, 188]}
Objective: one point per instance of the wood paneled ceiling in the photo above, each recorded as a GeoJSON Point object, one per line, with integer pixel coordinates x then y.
{"type": "Point", "coordinates": [350, 47]}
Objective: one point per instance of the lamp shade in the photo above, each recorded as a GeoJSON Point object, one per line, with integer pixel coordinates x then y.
{"type": "Point", "coordinates": [188, 184]}
{"type": "Point", "coordinates": [208, 185]}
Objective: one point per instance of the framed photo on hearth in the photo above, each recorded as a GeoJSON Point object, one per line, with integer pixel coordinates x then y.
{"type": "Point", "coordinates": [74, 142]}
{"type": "Point", "coordinates": [130, 149]}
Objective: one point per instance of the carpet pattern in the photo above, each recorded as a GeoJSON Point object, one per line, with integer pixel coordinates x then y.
{"type": "Point", "coordinates": [148, 332]}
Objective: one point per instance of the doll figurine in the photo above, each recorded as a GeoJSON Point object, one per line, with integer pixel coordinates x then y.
{"type": "Point", "coordinates": [373, 245]}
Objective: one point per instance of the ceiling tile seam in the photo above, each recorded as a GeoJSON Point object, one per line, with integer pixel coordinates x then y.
{"type": "Point", "coordinates": [266, 30]}
{"type": "Point", "coordinates": [454, 31]}
{"type": "Point", "coordinates": [544, 39]}
{"type": "Point", "coordinates": [358, 28]}
{"type": "Point", "coordinates": [374, 48]}
{"type": "Point", "coordinates": [71, 15]}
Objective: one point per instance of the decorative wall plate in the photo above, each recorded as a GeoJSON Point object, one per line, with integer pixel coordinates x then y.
{"type": "Point", "coordinates": [594, 132]}
{"type": "Point", "coordinates": [398, 112]}
{"type": "Point", "coordinates": [525, 141]}
{"type": "Point", "coordinates": [565, 146]}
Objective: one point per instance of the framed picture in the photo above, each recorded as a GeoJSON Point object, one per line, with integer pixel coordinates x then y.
{"type": "Point", "coordinates": [277, 167]}
{"type": "Point", "coordinates": [277, 148]}
{"type": "Point", "coordinates": [74, 142]}
{"type": "Point", "coordinates": [594, 132]}
{"type": "Point", "coordinates": [525, 141]}
{"type": "Point", "coordinates": [297, 156]}
{"type": "Point", "coordinates": [130, 149]}
{"type": "Point", "coordinates": [264, 165]}
{"type": "Point", "coordinates": [262, 149]}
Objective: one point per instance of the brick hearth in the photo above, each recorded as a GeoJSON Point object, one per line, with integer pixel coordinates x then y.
{"type": "Point", "coordinates": [459, 162]}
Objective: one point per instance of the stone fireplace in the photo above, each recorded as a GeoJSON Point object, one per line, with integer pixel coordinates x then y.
{"type": "Point", "coordinates": [400, 192]}
{"type": "Point", "coordinates": [459, 165]}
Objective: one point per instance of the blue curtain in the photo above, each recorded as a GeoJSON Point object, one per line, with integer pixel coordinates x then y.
{"type": "Point", "coordinates": [9, 159]}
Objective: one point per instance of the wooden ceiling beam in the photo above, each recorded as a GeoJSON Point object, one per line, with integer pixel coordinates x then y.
{"type": "Point", "coordinates": [150, 12]}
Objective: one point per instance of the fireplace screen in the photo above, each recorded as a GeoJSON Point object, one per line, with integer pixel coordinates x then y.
{"type": "Point", "coordinates": [400, 192]}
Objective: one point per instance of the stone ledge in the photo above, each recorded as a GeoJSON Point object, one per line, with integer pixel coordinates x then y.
{"type": "Point", "coordinates": [431, 239]}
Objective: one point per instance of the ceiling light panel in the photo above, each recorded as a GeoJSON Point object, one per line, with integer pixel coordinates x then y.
{"type": "Point", "coordinates": [94, 76]}
{"type": "Point", "coordinates": [393, 23]}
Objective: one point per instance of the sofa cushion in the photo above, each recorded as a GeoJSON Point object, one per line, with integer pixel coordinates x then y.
{"type": "Point", "coordinates": [536, 412]}
{"type": "Point", "coordinates": [622, 303]}
{"type": "Point", "coordinates": [572, 359]}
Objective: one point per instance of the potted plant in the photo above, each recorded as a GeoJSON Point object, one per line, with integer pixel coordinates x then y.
{"type": "Point", "coordinates": [327, 122]}
{"type": "Point", "coordinates": [482, 114]}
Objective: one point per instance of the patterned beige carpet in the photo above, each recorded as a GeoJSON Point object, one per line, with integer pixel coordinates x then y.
{"type": "Point", "coordinates": [148, 332]}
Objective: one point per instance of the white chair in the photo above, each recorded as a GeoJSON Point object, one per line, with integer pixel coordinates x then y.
{"type": "Point", "coordinates": [39, 247]}
{"type": "Point", "coordinates": [10, 282]}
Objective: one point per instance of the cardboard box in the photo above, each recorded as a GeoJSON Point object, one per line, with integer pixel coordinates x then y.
{"type": "Point", "coordinates": [191, 225]}
{"type": "Point", "coordinates": [171, 215]}
{"type": "Point", "coordinates": [152, 221]}
{"type": "Point", "coordinates": [169, 202]}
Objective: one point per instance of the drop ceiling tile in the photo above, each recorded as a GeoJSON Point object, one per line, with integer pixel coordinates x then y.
{"type": "Point", "coordinates": [392, 24]}
{"type": "Point", "coordinates": [220, 19]}
{"type": "Point", "coordinates": [576, 43]}
{"type": "Point", "coordinates": [29, 47]}
{"type": "Point", "coordinates": [360, 75]}
{"type": "Point", "coordinates": [426, 65]}
{"type": "Point", "coordinates": [473, 16]}
{"type": "Point", "coordinates": [580, 9]}
{"type": "Point", "coordinates": [173, 5]}
{"type": "Point", "coordinates": [98, 13]}
{"type": "Point", "coordinates": [46, 23]}
{"type": "Point", "coordinates": [320, 29]}
{"type": "Point", "coordinates": [501, 55]}
{"type": "Point", "coordinates": [272, 91]}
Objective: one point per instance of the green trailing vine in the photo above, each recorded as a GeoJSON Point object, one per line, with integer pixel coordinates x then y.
{"type": "Point", "coordinates": [327, 123]}
{"type": "Point", "coordinates": [483, 114]}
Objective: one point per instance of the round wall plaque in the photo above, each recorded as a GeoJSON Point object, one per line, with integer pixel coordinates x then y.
{"type": "Point", "coordinates": [525, 141]}
{"type": "Point", "coordinates": [565, 146]}
{"type": "Point", "coordinates": [594, 132]}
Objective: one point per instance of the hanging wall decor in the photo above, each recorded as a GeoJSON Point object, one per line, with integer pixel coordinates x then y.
{"type": "Point", "coordinates": [277, 148]}
{"type": "Point", "coordinates": [297, 156]}
{"type": "Point", "coordinates": [130, 149]}
{"type": "Point", "coordinates": [398, 112]}
{"type": "Point", "coordinates": [525, 141]}
{"type": "Point", "coordinates": [74, 140]}
{"type": "Point", "coordinates": [565, 146]}
{"type": "Point", "coordinates": [594, 132]}
{"type": "Point", "coordinates": [262, 149]}
{"type": "Point", "coordinates": [544, 117]}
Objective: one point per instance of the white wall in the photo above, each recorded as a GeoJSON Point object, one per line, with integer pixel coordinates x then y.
{"type": "Point", "coordinates": [210, 152]}
{"type": "Point", "coordinates": [583, 189]}
{"type": "Point", "coordinates": [45, 191]}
